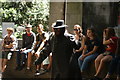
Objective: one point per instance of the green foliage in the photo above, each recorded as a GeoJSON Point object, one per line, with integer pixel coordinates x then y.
{"type": "Point", "coordinates": [36, 12]}
{"type": "Point", "coordinates": [25, 12]}
{"type": "Point", "coordinates": [0, 30]}
{"type": "Point", "coordinates": [18, 34]}
{"type": "Point", "coordinates": [0, 34]}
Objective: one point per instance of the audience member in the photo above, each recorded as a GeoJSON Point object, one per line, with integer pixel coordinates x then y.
{"type": "Point", "coordinates": [8, 46]}
{"type": "Point", "coordinates": [114, 65]}
{"type": "Point", "coordinates": [28, 41]}
{"type": "Point", "coordinates": [110, 40]}
{"type": "Point", "coordinates": [90, 51]}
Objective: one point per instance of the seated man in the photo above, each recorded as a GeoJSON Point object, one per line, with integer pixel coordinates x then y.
{"type": "Point", "coordinates": [45, 66]}
{"type": "Point", "coordinates": [27, 46]}
{"type": "Point", "coordinates": [40, 37]}
{"type": "Point", "coordinates": [8, 46]}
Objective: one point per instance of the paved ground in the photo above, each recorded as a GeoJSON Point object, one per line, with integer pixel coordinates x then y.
{"type": "Point", "coordinates": [11, 73]}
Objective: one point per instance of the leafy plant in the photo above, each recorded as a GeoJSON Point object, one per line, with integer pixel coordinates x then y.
{"type": "Point", "coordinates": [35, 12]}
{"type": "Point", "coordinates": [25, 12]}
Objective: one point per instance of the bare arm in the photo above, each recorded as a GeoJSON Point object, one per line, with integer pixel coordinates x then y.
{"type": "Point", "coordinates": [84, 50]}
{"type": "Point", "coordinates": [82, 45]}
{"type": "Point", "coordinates": [41, 46]}
{"type": "Point", "coordinates": [105, 42]}
{"type": "Point", "coordinates": [43, 54]}
{"type": "Point", "coordinates": [92, 52]}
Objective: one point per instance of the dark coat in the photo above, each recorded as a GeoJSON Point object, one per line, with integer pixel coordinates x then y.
{"type": "Point", "coordinates": [28, 41]}
{"type": "Point", "coordinates": [62, 49]}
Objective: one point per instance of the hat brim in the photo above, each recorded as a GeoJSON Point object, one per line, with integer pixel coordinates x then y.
{"type": "Point", "coordinates": [60, 26]}
{"type": "Point", "coordinates": [28, 27]}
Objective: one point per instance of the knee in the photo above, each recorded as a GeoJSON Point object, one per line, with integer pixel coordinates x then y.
{"type": "Point", "coordinates": [87, 60]}
{"type": "Point", "coordinates": [97, 60]}
{"type": "Point", "coordinates": [79, 59]}
{"type": "Point", "coordinates": [103, 61]}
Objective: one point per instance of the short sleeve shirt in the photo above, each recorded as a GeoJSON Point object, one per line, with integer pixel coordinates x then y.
{"type": "Point", "coordinates": [113, 45]}
{"type": "Point", "coordinates": [9, 40]}
{"type": "Point", "coordinates": [40, 37]}
{"type": "Point", "coordinates": [91, 43]}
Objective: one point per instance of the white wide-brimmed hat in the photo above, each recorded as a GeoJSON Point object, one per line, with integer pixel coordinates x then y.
{"type": "Point", "coordinates": [59, 24]}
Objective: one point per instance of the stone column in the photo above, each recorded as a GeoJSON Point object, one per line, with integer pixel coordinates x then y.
{"type": "Point", "coordinates": [56, 12]}
{"type": "Point", "coordinates": [73, 14]}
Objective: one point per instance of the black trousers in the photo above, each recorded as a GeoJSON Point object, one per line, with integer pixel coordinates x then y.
{"type": "Point", "coordinates": [75, 72]}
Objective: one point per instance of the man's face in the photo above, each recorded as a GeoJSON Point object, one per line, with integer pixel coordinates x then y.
{"type": "Point", "coordinates": [28, 29]}
{"type": "Point", "coordinates": [57, 31]}
{"type": "Point", "coordinates": [39, 29]}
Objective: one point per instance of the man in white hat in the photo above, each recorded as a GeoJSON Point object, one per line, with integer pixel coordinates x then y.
{"type": "Point", "coordinates": [28, 41]}
{"type": "Point", "coordinates": [62, 49]}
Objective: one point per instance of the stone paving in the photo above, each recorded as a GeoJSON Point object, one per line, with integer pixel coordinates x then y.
{"type": "Point", "coordinates": [10, 71]}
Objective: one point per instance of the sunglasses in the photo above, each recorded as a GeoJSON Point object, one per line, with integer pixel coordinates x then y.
{"type": "Point", "coordinates": [56, 29]}
{"type": "Point", "coordinates": [76, 29]}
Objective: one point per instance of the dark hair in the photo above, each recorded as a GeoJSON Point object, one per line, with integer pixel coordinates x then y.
{"type": "Point", "coordinates": [109, 32]}
{"type": "Point", "coordinates": [94, 34]}
{"type": "Point", "coordinates": [93, 31]}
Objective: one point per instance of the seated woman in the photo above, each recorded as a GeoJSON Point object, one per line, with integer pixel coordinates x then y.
{"type": "Point", "coordinates": [8, 46]}
{"type": "Point", "coordinates": [115, 64]}
{"type": "Point", "coordinates": [79, 40]}
{"type": "Point", "coordinates": [110, 40]}
{"type": "Point", "coordinates": [90, 51]}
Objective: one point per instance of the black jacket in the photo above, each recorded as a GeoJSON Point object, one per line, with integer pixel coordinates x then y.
{"type": "Point", "coordinates": [62, 49]}
{"type": "Point", "coordinates": [28, 41]}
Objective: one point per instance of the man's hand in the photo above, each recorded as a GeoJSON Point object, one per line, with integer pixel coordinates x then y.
{"type": "Point", "coordinates": [33, 51]}
{"type": "Point", "coordinates": [77, 51]}
{"type": "Point", "coordinates": [37, 54]}
{"type": "Point", "coordinates": [23, 49]}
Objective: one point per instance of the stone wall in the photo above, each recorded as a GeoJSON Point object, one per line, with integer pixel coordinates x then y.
{"type": "Point", "coordinates": [56, 12]}
{"type": "Point", "coordinates": [99, 15]}
{"type": "Point", "coordinates": [73, 14]}
{"type": "Point", "coordinates": [88, 14]}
